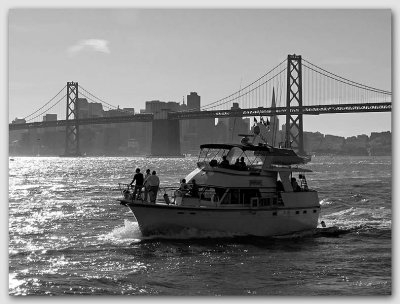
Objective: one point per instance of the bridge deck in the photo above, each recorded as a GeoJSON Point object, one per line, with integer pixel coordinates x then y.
{"type": "Point", "coordinates": [261, 111]}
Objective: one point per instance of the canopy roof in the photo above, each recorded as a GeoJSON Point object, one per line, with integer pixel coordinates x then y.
{"type": "Point", "coordinates": [248, 148]}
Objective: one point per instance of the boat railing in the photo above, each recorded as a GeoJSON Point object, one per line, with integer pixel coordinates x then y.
{"type": "Point", "coordinates": [167, 194]}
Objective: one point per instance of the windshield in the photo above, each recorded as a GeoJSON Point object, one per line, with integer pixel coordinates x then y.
{"type": "Point", "coordinates": [232, 155]}
{"type": "Point", "coordinates": [208, 154]}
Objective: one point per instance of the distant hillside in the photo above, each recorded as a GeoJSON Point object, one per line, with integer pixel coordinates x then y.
{"type": "Point", "coordinates": [376, 144]}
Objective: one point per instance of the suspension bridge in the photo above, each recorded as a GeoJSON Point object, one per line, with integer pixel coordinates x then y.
{"type": "Point", "coordinates": [301, 87]}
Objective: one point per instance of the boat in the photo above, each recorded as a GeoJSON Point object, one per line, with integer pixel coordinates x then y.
{"type": "Point", "coordinates": [257, 199]}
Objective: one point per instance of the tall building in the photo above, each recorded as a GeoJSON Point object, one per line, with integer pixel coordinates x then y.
{"type": "Point", "coordinates": [233, 127]}
{"type": "Point", "coordinates": [83, 107]}
{"type": "Point", "coordinates": [195, 132]}
{"type": "Point", "coordinates": [89, 109]}
{"type": "Point", "coordinates": [273, 135]}
{"type": "Point", "coordinates": [193, 101]}
{"type": "Point", "coordinates": [95, 110]}
{"type": "Point", "coordinates": [161, 108]}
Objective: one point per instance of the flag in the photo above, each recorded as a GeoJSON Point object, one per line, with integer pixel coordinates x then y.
{"type": "Point", "coordinates": [255, 122]}
{"type": "Point", "coordinates": [267, 125]}
{"type": "Point", "coordinates": [261, 119]}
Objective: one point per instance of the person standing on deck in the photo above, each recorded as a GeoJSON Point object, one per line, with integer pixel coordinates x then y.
{"type": "Point", "coordinates": [295, 185]}
{"type": "Point", "coordinates": [153, 182]}
{"type": "Point", "coordinates": [138, 177]}
{"type": "Point", "coordinates": [183, 187]}
{"type": "Point", "coordinates": [146, 186]}
{"type": "Point", "coordinates": [194, 190]}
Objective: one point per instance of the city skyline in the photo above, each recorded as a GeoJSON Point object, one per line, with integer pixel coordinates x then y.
{"type": "Point", "coordinates": [132, 56]}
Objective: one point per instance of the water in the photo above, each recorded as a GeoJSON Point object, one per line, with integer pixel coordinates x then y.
{"type": "Point", "coordinates": [69, 236]}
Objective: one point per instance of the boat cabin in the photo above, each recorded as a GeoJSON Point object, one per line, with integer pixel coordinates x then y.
{"type": "Point", "coordinates": [244, 175]}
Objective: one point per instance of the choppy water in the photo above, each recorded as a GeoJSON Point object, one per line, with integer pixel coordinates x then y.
{"type": "Point", "coordinates": [69, 236]}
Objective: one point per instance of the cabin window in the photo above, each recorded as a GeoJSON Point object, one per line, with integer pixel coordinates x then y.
{"type": "Point", "coordinates": [265, 201]}
{"type": "Point", "coordinates": [207, 193]}
{"type": "Point", "coordinates": [231, 197]}
{"type": "Point", "coordinates": [247, 194]}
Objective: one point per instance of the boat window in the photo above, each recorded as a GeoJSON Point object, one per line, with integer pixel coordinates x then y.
{"type": "Point", "coordinates": [234, 154]}
{"type": "Point", "coordinates": [208, 154]}
{"type": "Point", "coordinates": [247, 194]}
{"type": "Point", "coordinates": [255, 159]}
{"type": "Point", "coordinates": [239, 196]}
{"type": "Point", "coordinates": [231, 197]}
{"type": "Point", "coordinates": [206, 193]}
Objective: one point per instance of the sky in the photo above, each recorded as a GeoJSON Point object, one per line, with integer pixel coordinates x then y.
{"type": "Point", "coordinates": [127, 56]}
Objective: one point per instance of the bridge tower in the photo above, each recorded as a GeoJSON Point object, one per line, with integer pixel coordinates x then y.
{"type": "Point", "coordinates": [72, 129]}
{"type": "Point", "coordinates": [294, 98]}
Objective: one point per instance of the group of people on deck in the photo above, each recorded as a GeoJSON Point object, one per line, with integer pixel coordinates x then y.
{"type": "Point", "coordinates": [192, 190]}
{"type": "Point", "coordinates": [294, 184]}
{"type": "Point", "coordinates": [239, 164]}
{"type": "Point", "coordinates": [150, 183]}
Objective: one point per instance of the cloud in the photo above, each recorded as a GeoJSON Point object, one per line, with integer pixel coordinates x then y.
{"type": "Point", "coordinates": [97, 45]}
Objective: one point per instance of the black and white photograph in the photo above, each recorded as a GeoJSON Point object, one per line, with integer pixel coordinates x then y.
{"type": "Point", "coordinates": [199, 151]}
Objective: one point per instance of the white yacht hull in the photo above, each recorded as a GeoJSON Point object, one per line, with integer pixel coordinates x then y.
{"type": "Point", "coordinates": [164, 219]}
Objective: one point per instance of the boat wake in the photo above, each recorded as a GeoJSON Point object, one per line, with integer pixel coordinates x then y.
{"type": "Point", "coordinates": [129, 233]}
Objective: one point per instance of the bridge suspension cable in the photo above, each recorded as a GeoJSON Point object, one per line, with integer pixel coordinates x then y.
{"type": "Point", "coordinates": [252, 90]}
{"type": "Point", "coordinates": [323, 87]}
{"type": "Point", "coordinates": [344, 80]}
{"type": "Point", "coordinates": [97, 99]}
{"type": "Point", "coordinates": [44, 106]}
{"type": "Point", "coordinates": [46, 110]}
{"type": "Point", "coordinates": [249, 90]}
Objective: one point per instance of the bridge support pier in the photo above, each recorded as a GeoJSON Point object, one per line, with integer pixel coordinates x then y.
{"type": "Point", "coordinates": [165, 138]}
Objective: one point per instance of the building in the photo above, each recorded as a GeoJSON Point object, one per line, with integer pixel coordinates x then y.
{"type": "Point", "coordinates": [95, 110]}
{"type": "Point", "coordinates": [18, 121]}
{"type": "Point", "coordinates": [89, 109]}
{"type": "Point", "coordinates": [233, 127]}
{"type": "Point", "coordinates": [273, 136]}
{"type": "Point", "coordinates": [50, 117]}
{"type": "Point", "coordinates": [193, 101]}
{"type": "Point", "coordinates": [83, 107]}
{"type": "Point", "coordinates": [161, 108]}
